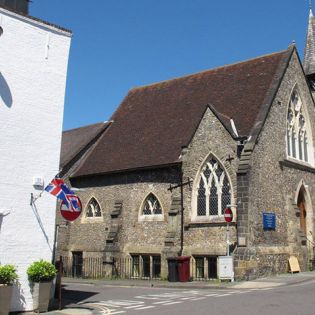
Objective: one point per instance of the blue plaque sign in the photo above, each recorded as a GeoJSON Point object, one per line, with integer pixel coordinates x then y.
{"type": "Point", "coordinates": [269, 221]}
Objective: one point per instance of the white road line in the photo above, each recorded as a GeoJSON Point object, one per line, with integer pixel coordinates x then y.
{"type": "Point", "coordinates": [221, 295]}
{"type": "Point", "coordinates": [188, 298]}
{"type": "Point", "coordinates": [170, 303]}
{"type": "Point", "coordinates": [148, 298]}
{"type": "Point", "coordinates": [144, 308]}
{"type": "Point", "coordinates": [198, 298]}
{"type": "Point", "coordinates": [133, 306]}
{"type": "Point", "coordinates": [161, 302]}
{"type": "Point", "coordinates": [118, 312]}
{"type": "Point", "coordinates": [214, 294]}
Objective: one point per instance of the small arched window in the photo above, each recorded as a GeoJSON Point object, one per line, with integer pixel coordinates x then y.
{"type": "Point", "coordinates": [213, 191]}
{"type": "Point", "coordinates": [297, 130]}
{"type": "Point", "coordinates": [151, 206]}
{"type": "Point", "coordinates": [93, 209]}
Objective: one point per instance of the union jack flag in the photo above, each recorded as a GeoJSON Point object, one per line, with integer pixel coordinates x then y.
{"type": "Point", "coordinates": [59, 189]}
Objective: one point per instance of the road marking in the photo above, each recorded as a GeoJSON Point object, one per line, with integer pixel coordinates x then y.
{"type": "Point", "coordinates": [147, 297]}
{"type": "Point", "coordinates": [214, 294]}
{"type": "Point", "coordinates": [121, 302]}
{"type": "Point", "coordinates": [220, 295]}
{"type": "Point", "coordinates": [118, 312]}
{"type": "Point", "coordinates": [170, 303]}
{"type": "Point", "coordinates": [265, 289]}
{"type": "Point", "coordinates": [160, 302]}
{"type": "Point", "coordinates": [198, 298]}
{"type": "Point", "coordinates": [188, 298]}
{"type": "Point", "coordinates": [133, 306]}
{"type": "Point", "coordinates": [144, 308]}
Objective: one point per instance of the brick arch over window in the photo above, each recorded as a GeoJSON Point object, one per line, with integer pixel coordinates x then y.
{"type": "Point", "coordinates": [93, 209]}
{"type": "Point", "coordinates": [299, 137]}
{"type": "Point", "coordinates": [212, 190]}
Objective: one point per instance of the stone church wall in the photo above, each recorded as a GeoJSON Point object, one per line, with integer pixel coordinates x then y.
{"type": "Point", "coordinates": [273, 187]}
{"type": "Point", "coordinates": [208, 238]}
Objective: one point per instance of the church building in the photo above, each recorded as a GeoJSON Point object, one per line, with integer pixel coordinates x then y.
{"type": "Point", "coordinates": [154, 180]}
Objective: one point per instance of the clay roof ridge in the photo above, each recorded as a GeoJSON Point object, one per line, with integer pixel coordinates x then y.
{"type": "Point", "coordinates": [85, 126]}
{"type": "Point", "coordinates": [270, 95]}
{"type": "Point", "coordinates": [205, 71]}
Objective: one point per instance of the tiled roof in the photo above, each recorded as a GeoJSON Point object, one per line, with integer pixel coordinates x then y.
{"type": "Point", "coordinates": [154, 122]}
{"type": "Point", "coordinates": [75, 140]}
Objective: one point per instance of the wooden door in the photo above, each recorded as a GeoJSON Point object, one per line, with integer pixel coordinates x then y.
{"type": "Point", "coordinates": [301, 205]}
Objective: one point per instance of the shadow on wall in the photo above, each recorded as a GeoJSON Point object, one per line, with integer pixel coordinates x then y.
{"type": "Point", "coordinates": [18, 301]}
{"type": "Point", "coordinates": [40, 223]}
{"type": "Point", "coordinates": [5, 92]}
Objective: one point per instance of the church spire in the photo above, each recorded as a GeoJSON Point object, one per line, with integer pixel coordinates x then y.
{"type": "Point", "coordinates": [309, 53]}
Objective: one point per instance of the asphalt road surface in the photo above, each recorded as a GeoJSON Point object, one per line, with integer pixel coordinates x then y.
{"type": "Point", "coordinates": [295, 299]}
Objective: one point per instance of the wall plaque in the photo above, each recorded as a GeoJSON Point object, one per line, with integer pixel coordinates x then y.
{"type": "Point", "coordinates": [269, 221]}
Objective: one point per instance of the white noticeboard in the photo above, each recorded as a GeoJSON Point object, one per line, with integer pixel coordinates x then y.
{"type": "Point", "coordinates": [225, 268]}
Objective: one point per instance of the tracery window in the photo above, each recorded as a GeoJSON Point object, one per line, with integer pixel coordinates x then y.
{"type": "Point", "coordinates": [213, 190]}
{"type": "Point", "coordinates": [297, 135]}
{"type": "Point", "coordinates": [93, 209]}
{"type": "Point", "coordinates": [151, 206]}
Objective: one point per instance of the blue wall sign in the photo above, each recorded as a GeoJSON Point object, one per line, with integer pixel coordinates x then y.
{"type": "Point", "coordinates": [269, 221]}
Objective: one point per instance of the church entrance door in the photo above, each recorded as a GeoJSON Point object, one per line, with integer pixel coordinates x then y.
{"type": "Point", "coordinates": [301, 205]}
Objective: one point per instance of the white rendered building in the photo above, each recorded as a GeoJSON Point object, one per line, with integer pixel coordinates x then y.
{"type": "Point", "coordinates": [33, 72]}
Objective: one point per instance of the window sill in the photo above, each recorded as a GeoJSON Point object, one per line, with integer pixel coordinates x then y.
{"type": "Point", "coordinates": [297, 164]}
{"type": "Point", "coordinates": [151, 218]}
{"type": "Point", "coordinates": [206, 222]}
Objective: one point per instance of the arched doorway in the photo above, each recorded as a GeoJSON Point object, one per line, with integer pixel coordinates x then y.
{"type": "Point", "coordinates": [302, 206]}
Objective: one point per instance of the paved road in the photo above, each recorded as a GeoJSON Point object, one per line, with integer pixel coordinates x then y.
{"type": "Point", "coordinates": [246, 299]}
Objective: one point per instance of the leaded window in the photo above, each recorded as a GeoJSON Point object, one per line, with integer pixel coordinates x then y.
{"type": "Point", "coordinates": [93, 209]}
{"type": "Point", "coordinates": [151, 206]}
{"type": "Point", "coordinates": [297, 137]}
{"type": "Point", "coordinates": [213, 190]}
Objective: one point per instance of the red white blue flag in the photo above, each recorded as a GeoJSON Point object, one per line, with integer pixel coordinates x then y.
{"type": "Point", "coordinates": [59, 189]}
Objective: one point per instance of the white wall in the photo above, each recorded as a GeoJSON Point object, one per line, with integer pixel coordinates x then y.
{"type": "Point", "coordinates": [32, 88]}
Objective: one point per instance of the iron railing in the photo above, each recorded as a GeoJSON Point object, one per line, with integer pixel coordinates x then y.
{"type": "Point", "coordinates": [143, 267]}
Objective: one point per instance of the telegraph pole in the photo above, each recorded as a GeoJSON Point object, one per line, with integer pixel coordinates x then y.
{"type": "Point", "coordinates": [171, 188]}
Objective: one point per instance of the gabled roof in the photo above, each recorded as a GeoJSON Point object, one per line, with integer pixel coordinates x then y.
{"type": "Point", "coordinates": [75, 140]}
{"type": "Point", "coordinates": [154, 122]}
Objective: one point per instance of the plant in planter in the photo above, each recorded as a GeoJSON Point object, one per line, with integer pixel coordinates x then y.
{"type": "Point", "coordinates": [8, 277]}
{"type": "Point", "coordinates": [40, 274]}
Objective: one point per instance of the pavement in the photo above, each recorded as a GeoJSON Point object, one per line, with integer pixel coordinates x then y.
{"type": "Point", "coordinates": [274, 281]}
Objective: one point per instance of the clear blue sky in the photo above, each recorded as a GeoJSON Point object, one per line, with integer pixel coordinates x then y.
{"type": "Point", "coordinates": [120, 44]}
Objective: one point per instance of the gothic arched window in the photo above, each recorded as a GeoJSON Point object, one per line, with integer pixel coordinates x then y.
{"type": "Point", "coordinates": [213, 192]}
{"type": "Point", "coordinates": [93, 209]}
{"type": "Point", "coordinates": [297, 131]}
{"type": "Point", "coordinates": [151, 206]}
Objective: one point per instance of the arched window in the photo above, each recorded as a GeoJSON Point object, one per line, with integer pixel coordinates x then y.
{"type": "Point", "coordinates": [297, 131]}
{"type": "Point", "coordinates": [93, 209]}
{"type": "Point", "coordinates": [213, 192]}
{"type": "Point", "coordinates": [151, 206]}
